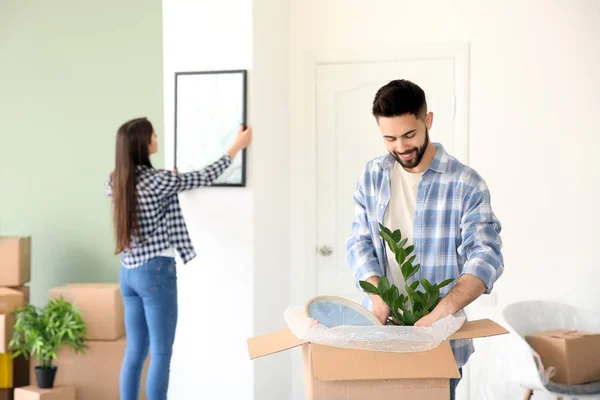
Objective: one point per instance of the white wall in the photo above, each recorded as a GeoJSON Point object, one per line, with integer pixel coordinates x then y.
{"type": "Point", "coordinates": [271, 184]}
{"type": "Point", "coordinates": [216, 289]}
{"type": "Point", "coordinates": [534, 96]}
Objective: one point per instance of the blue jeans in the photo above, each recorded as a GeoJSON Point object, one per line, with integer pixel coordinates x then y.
{"type": "Point", "coordinates": [454, 384]}
{"type": "Point", "coordinates": [150, 300]}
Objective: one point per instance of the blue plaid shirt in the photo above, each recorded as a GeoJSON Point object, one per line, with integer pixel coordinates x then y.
{"type": "Point", "coordinates": [159, 214]}
{"type": "Point", "coordinates": [455, 229]}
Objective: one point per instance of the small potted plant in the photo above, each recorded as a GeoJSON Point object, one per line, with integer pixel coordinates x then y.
{"type": "Point", "coordinates": [405, 310]}
{"type": "Point", "coordinates": [40, 332]}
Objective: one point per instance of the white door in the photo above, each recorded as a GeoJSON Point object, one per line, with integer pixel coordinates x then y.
{"type": "Point", "coordinates": [348, 136]}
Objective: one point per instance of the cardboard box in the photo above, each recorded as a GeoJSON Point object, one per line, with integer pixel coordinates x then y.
{"type": "Point", "coordinates": [101, 305]}
{"type": "Point", "coordinates": [343, 374]}
{"type": "Point", "coordinates": [574, 354]}
{"type": "Point", "coordinates": [10, 300]}
{"type": "Point", "coordinates": [35, 393]}
{"type": "Point", "coordinates": [6, 394]}
{"type": "Point", "coordinates": [7, 322]}
{"type": "Point", "coordinates": [25, 291]}
{"type": "Point", "coordinates": [15, 260]}
{"type": "Point", "coordinates": [95, 374]}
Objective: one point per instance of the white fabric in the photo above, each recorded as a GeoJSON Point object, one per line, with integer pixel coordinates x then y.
{"type": "Point", "coordinates": [400, 215]}
{"type": "Point", "coordinates": [170, 252]}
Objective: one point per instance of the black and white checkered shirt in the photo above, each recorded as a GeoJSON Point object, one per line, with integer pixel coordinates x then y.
{"type": "Point", "coordinates": [159, 214]}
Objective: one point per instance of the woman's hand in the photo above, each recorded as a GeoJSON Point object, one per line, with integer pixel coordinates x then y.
{"type": "Point", "coordinates": [242, 141]}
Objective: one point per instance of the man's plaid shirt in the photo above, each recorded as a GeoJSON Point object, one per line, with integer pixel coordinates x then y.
{"type": "Point", "coordinates": [159, 214]}
{"type": "Point", "coordinates": [455, 229]}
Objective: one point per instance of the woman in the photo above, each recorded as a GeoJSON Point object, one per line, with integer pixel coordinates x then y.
{"type": "Point", "coordinates": [149, 227]}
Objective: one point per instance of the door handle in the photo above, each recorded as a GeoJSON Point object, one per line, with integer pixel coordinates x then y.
{"type": "Point", "coordinates": [325, 251]}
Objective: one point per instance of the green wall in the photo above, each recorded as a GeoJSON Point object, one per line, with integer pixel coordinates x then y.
{"type": "Point", "coordinates": [71, 72]}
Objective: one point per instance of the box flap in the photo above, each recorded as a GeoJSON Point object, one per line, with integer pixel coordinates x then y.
{"type": "Point", "coordinates": [273, 342]}
{"type": "Point", "coordinates": [335, 364]}
{"type": "Point", "coordinates": [477, 329]}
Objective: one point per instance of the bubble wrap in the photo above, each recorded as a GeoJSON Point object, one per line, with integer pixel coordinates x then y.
{"type": "Point", "coordinates": [386, 338]}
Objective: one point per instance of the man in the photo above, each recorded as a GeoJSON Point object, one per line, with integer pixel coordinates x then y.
{"type": "Point", "coordinates": [440, 205]}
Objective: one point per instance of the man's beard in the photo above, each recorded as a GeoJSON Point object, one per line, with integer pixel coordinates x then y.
{"type": "Point", "coordinates": [416, 160]}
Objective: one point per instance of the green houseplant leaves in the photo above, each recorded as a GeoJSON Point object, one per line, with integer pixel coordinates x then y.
{"type": "Point", "coordinates": [405, 310]}
{"type": "Point", "coordinates": [40, 332]}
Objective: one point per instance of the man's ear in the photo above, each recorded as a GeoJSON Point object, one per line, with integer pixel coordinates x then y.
{"type": "Point", "coordinates": [429, 120]}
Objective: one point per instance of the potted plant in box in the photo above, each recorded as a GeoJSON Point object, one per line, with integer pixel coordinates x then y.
{"type": "Point", "coordinates": [405, 310]}
{"type": "Point", "coordinates": [40, 332]}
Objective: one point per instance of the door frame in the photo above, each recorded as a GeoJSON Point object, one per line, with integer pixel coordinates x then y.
{"type": "Point", "coordinates": [303, 161]}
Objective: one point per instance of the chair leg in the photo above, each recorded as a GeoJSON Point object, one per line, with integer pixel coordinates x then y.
{"type": "Point", "coordinates": [528, 394]}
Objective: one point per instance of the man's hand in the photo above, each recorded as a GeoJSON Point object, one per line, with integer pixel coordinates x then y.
{"type": "Point", "coordinates": [380, 309]}
{"type": "Point", "coordinates": [467, 290]}
{"type": "Point", "coordinates": [434, 316]}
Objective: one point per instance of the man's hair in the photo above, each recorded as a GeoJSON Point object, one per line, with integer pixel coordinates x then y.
{"type": "Point", "coordinates": [400, 97]}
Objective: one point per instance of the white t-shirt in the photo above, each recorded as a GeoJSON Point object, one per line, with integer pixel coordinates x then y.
{"type": "Point", "coordinates": [400, 215]}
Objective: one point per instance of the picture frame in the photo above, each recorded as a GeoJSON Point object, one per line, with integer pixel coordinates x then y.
{"type": "Point", "coordinates": [210, 107]}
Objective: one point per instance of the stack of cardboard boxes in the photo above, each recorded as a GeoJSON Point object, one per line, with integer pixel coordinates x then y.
{"type": "Point", "coordinates": [15, 272]}
{"type": "Point", "coordinates": [94, 374]}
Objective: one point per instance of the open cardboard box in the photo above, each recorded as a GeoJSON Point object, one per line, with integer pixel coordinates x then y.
{"type": "Point", "coordinates": [342, 374]}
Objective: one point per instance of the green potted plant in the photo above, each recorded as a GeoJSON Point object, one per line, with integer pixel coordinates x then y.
{"type": "Point", "coordinates": [405, 310]}
{"type": "Point", "coordinates": [40, 332]}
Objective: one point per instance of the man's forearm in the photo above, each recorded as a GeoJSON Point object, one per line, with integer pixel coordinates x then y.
{"type": "Point", "coordinates": [467, 289]}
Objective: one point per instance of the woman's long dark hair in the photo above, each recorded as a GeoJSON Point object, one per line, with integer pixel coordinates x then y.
{"type": "Point", "coordinates": [133, 141]}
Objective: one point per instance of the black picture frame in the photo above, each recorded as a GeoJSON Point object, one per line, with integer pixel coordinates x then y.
{"type": "Point", "coordinates": [243, 92]}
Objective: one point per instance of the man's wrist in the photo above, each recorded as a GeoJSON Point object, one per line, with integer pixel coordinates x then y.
{"type": "Point", "coordinates": [444, 308]}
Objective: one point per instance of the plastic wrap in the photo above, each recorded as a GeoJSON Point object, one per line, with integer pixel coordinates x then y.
{"type": "Point", "coordinates": [386, 338]}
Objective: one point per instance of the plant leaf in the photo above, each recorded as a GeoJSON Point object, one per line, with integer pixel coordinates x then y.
{"type": "Point", "coordinates": [445, 283]}
{"type": "Point", "coordinates": [400, 255]}
{"type": "Point", "coordinates": [426, 285]}
{"type": "Point", "coordinates": [409, 250]}
{"type": "Point", "coordinates": [390, 296]}
{"type": "Point", "coordinates": [383, 285]}
{"type": "Point", "coordinates": [405, 269]}
{"type": "Point", "coordinates": [396, 235]}
{"type": "Point", "coordinates": [414, 270]}
{"type": "Point", "coordinates": [368, 287]}
{"type": "Point", "coordinates": [402, 243]}
{"type": "Point", "coordinates": [384, 229]}
{"type": "Point", "coordinates": [432, 301]}
{"type": "Point", "coordinates": [390, 241]}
